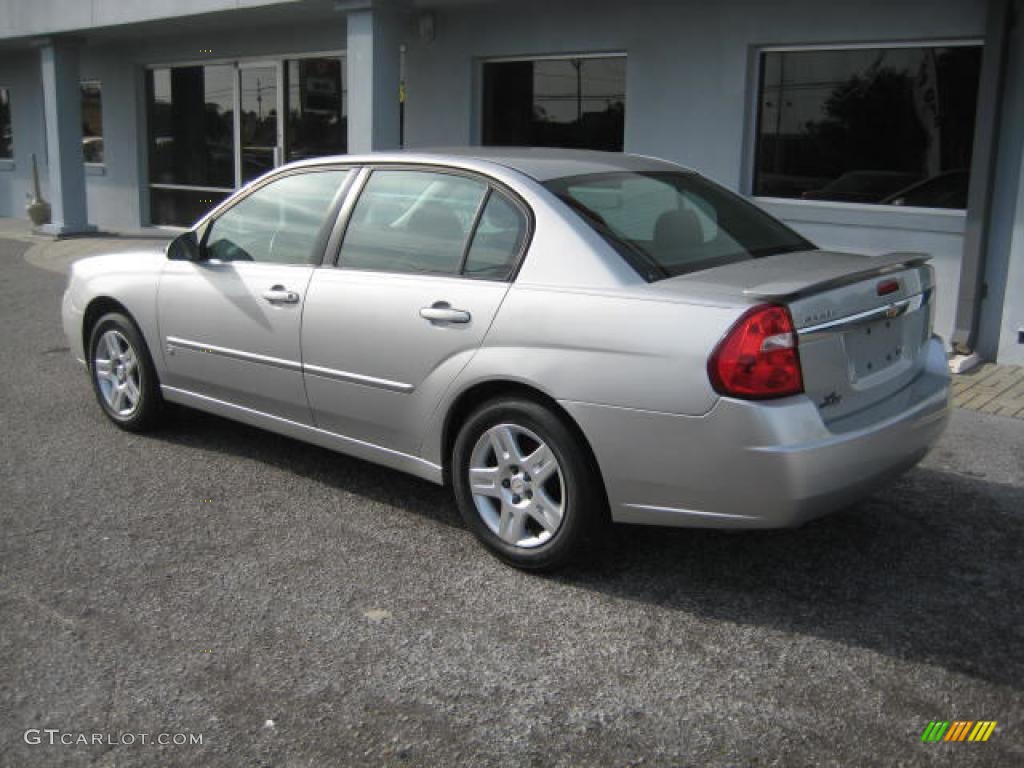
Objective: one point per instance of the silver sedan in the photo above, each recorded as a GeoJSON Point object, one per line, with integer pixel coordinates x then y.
{"type": "Point", "coordinates": [566, 338]}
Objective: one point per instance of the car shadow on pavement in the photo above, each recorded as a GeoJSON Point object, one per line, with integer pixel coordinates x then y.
{"type": "Point", "coordinates": [198, 430]}
{"type": "Point", "coordinates": [929, 569]}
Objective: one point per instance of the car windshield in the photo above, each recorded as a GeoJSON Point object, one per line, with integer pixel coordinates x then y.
{"type": "Point", "coordinates": [666, 224]}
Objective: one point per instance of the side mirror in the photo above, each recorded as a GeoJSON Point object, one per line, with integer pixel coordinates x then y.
{"type": "Point", "coordinates": [185, 247]}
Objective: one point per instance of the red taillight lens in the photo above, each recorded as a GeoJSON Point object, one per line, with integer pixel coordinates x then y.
{"type": "Point", "coordinates": [758, 358]}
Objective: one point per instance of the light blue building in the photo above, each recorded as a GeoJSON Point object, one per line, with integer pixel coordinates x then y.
{"type": "Point", "coordinates": [867, 126]}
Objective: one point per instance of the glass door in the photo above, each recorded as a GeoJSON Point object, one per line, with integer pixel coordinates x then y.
{"type": "Point", "coordinates": [214, 127]}
{"type": "Point", "coordinates": [259, 127]}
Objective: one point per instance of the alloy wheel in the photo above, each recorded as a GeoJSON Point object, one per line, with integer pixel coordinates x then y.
{"type": "Point", "coordinates": [517, 485]}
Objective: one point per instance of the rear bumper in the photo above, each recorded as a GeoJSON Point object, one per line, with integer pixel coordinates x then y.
{"type": "Point", "coordinates": [761, 465]}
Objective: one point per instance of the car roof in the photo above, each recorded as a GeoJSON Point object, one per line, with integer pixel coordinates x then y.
{"type": "Point", "coordinates": [539, 163]}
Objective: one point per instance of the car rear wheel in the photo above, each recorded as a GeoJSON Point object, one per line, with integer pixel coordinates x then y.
{"type": "Point", "coordinates": [524, 484]}
{"type": "Point", "coordinates": [122, 373]}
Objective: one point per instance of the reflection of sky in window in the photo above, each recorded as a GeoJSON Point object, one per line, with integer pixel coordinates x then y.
{"type": "Point", "coordinates": [218, 86]}
{"type": "Point", "coordinates": [602, 82]}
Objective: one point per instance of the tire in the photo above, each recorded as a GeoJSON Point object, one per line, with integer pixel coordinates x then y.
{"type": "Point", "coordinates": [513, 512]}
{"type": "Point", "coordinates": [125, 384]}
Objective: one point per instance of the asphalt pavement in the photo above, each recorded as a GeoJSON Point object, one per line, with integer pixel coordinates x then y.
{"type": "Point", "coordinates": [294, 607]}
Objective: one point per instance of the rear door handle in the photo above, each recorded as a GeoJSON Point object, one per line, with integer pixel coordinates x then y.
{"type": "Point", "coordinates": [443, 312]}
{"type": "Point", "coordinates": [278, 294]}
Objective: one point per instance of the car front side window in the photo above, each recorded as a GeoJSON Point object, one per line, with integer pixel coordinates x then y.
{"type": "Point", "coordinates": [279, 223]}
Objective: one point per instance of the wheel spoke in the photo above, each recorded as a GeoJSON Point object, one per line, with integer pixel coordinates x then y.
{"type": "Point", "coordinates": [546, 512]}
{"type": "Point", "coordinates": [512, 524]}
{"type": "Point", "coordinates": [104, 368]}
{"type": "Point", "coordinates": [504, 444]}
{"type": "Point", "coordinates": [541, 464]}
{"type": "Point", "coordinates": [483, 481]}
{"type": "Point", "coordinates": [117, 399]}
{"type": "Point", "coordinates": [132, 390]}
{"type": "Point", "coordinates": [113, 348]}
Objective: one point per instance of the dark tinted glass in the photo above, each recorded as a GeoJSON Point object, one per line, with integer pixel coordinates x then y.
{"type": "Point", "coordinates": [6, 144]}
{"type": "Point", "coordinates": [316, 108]}
{"type": "Point", "coordinates": [279, 223]}
{"type": "Point", "coordinates": [92, 122]}
{"type": "Point", "coordinates": [181, 207]}
{"type": "Point", "coordinates": [191, 126]}
{"type": "Point", "coordinates": [579, 103]}
{"type": "Point", "coordinates": [411, 221]}
{"type": "Point", "coordinates": [497, 240]}
{"type": "Point", "coordinates": [868, 125]}
{"type": "Point", "coordinates": [668, 224]}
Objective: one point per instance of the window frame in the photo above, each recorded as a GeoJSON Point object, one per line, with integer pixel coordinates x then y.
{"type": "Point", "coordinates": [482, 62]}
{"type": "Point", "coordinates": [355, 191]}
{"type": "Point", "coordinates": [204, 225]}
{"type": "Point", "coordinates": [752, 122]}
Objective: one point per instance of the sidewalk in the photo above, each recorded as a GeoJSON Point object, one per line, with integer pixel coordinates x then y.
{"type": "Point", "coordinates": [56, 254]}
{"type": "Point", "coordinates": [989, 388]}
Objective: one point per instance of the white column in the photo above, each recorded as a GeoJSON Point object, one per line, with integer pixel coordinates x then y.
{"type": "Point", "coordinates": [62, 106]}
{"type": "Point", "coordinates": [374, 37]}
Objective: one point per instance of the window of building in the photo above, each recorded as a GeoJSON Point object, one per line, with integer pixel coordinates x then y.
{"type": "Point", "coordinates": [889, 126]}
{"type": "Point", "coordinates": [200, 149]}
{"type": "Point", "coordinates": [563, 102]}
{"type": "Point", "coordinates": [92, 122]}
{"type": "Point", "coordinates": [279, 223]}
{"type": "Point", "coordinates": [412, 221]}
{"type": "Point", "coordinates": [316, 107]}
{"type": "Point", "coordinates": [6, 140]}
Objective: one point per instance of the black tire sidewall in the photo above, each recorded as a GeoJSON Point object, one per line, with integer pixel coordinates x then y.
{"type": "Point", "coordinates": [150, 403]}
{"type": "Point", "coordinates": [582, 503]}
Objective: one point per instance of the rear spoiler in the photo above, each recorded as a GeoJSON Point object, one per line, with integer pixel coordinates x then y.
{"type": "Point", "coordinates": [873, 266]}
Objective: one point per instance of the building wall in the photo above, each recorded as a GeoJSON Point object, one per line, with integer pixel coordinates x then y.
{"type": "Point", "coordinates": [1002, 311]}
{"type": "Point", "coordinates": [691, 90]}
{"type": "Point", "coordinates": [20, 73]}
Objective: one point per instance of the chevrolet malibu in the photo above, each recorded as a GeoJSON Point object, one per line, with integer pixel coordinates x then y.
{"type": "Point", "coordinates": [564, 337]}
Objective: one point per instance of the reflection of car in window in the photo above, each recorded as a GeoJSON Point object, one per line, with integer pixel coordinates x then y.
{"type": "Point", "coordinates": [862, 186]}
{"type": "Point", "coordinates": [943, 190]}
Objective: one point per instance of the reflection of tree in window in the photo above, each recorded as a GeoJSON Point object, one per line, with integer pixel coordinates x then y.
{"type": "Point", "coordinates": [860, 125]}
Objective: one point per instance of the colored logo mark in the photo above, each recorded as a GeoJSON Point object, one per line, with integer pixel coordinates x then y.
{"type": "Point", "coordinates": [958, 730]}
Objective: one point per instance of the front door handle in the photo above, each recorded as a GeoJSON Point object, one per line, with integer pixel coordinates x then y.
{"type": "Point", "coordinates": [278, 294]}
{"type": "Point", "coordinates": [443, 312]}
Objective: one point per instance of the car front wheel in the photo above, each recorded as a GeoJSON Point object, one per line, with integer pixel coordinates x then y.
{"type": "Point", "coordinates": [524, 484]}
{"type": "Point", "coordinates": [122, 373]}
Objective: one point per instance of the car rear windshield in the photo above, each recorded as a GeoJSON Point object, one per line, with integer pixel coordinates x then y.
{"type": "Point", "coordinates": [666, 224]}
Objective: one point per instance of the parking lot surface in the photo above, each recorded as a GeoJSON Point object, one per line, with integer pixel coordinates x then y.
{"type": "Point", "coordinates": [296, 607]}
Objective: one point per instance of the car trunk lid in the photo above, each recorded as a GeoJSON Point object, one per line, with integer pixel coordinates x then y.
{"type": "Point", "coordinates": [862, 321]}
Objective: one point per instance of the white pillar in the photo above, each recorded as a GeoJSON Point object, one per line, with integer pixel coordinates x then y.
{"type": "Point", "coordinates": [62, 106]}
{"type": "Point", "coordinates": [374, 37]}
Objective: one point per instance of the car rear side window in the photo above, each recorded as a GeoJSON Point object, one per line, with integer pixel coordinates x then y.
{"type": "Point", "coordinates": [497, 240]}
{"type": "Point", "coordinates": [412, 221]}
{"type": "Point", "coordinates": [279, 223]}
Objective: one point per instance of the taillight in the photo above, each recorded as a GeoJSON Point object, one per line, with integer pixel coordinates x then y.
{"type": "Point", "coordinates": [758, 358]}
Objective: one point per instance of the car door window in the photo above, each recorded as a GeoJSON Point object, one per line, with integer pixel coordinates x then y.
{"type": "Point", "coordinates": [497, 240]}
{"type": "Point", "coordinates": [279, 223]}
{"type": "Point", "coordinates": [412, 221]}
